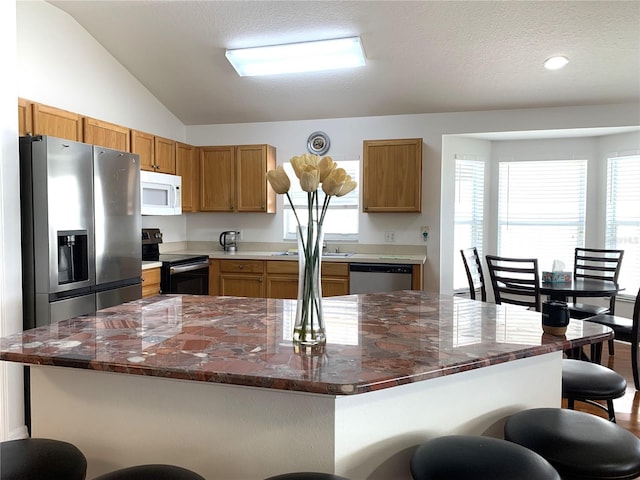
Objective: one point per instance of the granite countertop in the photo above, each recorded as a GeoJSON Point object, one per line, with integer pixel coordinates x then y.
{"type": "Point", "coordinates": [376, 341]}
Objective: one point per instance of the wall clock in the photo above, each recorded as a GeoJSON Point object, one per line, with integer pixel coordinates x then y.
{"type": "Point", "coordinates": [318, 143]}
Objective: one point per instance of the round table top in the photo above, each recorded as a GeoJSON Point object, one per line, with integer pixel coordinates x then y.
{"type": "Point", "coordinates": [581, 287]}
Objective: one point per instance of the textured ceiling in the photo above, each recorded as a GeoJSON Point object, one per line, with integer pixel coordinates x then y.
{"type": "Point", "coordinates": [422, 56]}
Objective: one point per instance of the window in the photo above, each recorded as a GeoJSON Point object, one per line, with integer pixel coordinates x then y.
{"type": "Point", "coordinates": [623, 217]}
{"type": "Point", "coordinates": [541, 210]}
{"type": "Point", "coordinates": [468, 213]}
{"type": "Point", "coordinates": [341, 222]}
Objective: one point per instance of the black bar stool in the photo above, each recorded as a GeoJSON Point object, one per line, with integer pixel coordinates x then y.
{"type": "Point", "coordinates": [35, 458]}
{"type": "Point", "coordinates": [586, 382]}
{"type": "Point", "coordinates": [307, 476]}
{"type": "Point", "coordinates": [461, 457]}
{"type": "Point", "coordinates": [151, 472]}
{"type": "Point", "coordinates": [579, 445]}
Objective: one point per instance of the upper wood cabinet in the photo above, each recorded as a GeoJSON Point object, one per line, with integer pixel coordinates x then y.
{"type": "Point", "coordinates": [234, 179]}
{"type": "Point", "coordinates": [187, 168]}
{"type": "Point", "coordinates": [142, 144]}
{"type": "Point", "coordinates": [157, 154]}
{"type": "Point", "coordinates": [392, 175]}
{"type": "Point", "coordinates": [56, 123]}
{"type": "Point", "coordinates": [25, 117]}
{"type": "Point", "coordinates": [217, 179]}
{"type": "Point", "coordinates": [165, 155]}
{"type": "Point", "coordinates": [104, 134]}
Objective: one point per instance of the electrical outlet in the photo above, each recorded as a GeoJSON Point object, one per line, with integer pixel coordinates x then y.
{"type": "Point", "coordinates": [424, 231]}
{"type": "Point", "coordinates": [389, 237]}
{"type": "Point", "coordinates": [241, 235]}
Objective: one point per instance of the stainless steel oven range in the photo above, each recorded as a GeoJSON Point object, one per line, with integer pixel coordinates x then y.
{"type": "Point", "coordinates": [180, 273]}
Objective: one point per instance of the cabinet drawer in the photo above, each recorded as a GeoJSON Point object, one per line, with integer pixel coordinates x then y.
{"type": "Point", "coordinates": [242, 266]}
{"type": "Point", "coordinates": [335, 269]}
{"type": "Point", "coordinates": [151, 276]}
{"type": "Point", "coordinates": [282, 266]}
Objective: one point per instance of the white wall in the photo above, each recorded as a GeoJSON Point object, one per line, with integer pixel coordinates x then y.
{"type": "Point", "coordinates": [11, 397]}
{"type": "Point", "coordinates": [61, 65]}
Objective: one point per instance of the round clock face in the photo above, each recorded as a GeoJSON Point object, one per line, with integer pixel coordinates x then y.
{"type": "Point", "coordinates": [318, 143]}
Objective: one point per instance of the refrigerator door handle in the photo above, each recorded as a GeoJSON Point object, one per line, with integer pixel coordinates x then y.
{"type": "Point", "coordinates": [189, 268]}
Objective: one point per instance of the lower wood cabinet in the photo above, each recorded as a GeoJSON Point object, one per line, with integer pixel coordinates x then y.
{"type": "Point", "coordinates": [242, 278]}
{"type": "Point", "coordinates": [150, 282]}
{"type": "Point", "coordinates": [271, 279]}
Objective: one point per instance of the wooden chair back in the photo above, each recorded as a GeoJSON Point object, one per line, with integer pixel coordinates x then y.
{"type": "Point", "coordinates": [475, 277]}
{"type": "Point", "coordinates": [515, 281]}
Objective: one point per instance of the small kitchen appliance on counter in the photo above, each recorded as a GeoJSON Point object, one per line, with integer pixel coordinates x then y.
{"type": "Point", "coordinates": [179, 273]}
{"type": "Point", "coordinates": [228, 240]}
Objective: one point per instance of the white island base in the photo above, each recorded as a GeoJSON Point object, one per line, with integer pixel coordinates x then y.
{"type": "Point", "coordinates": [227, 432]}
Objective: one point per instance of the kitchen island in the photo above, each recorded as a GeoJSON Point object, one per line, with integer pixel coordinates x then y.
{"type": "Point", "coordinates": [214, 383]}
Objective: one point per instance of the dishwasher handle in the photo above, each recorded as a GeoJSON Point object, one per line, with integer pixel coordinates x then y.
{"type": "Point", "coordinates": [380, 268]}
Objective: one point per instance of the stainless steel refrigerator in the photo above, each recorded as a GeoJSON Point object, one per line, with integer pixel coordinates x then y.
{"type": "Point", "coordinates": [81, 223]}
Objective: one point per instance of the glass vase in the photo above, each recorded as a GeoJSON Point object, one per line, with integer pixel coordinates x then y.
{"type": "Point", "coordinates": [308, 329]}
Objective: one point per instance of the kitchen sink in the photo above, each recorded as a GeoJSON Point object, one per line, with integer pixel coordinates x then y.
{"type": "Point", "coordinates": [336, 254]}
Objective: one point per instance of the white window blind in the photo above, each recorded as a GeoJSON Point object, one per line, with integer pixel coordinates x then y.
{"type": "Point", "coordinates": [468, 213]}
{"type": "Point", "coordinates": [623, 217]}
{"type": "Point", "coordinates": [341, 221]}
{"type": "Point", "coordinates": [541, 210]}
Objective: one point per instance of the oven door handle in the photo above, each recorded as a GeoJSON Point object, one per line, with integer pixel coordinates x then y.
{"type": "Point", "coordinates": [189, 268]}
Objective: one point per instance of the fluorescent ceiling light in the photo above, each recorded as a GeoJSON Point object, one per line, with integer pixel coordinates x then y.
{"type": "Point", "coordinates": [297, 57]}
{"type": "Point", "coordinates": [555, 63]}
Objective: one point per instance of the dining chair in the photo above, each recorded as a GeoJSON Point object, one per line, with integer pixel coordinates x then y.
{"type": "Point", "coordinates": [624, 330]}
{"type": "Point", "coordinates": [475, 277]}
{"type": "Point", "coordinates": [515, 281]}
{"type": "Point", "coordinates": [598, 264]}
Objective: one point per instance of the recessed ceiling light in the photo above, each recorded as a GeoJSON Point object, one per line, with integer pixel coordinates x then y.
{"type": "Point", "coordinates": [555, 63]}
{"type": "Point", "coordinates": [297, 57]}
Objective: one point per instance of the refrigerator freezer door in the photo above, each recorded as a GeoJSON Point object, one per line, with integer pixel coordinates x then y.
{"type": "Point", "coordinates": [117, 215]}
{"type": "Point", "coordinates": [117, 296]}
{"type": "Point", "coordinates": [69, 308]}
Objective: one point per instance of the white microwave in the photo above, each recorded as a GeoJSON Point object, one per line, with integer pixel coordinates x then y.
{"type": "Point", "coordinates": [160, 193]}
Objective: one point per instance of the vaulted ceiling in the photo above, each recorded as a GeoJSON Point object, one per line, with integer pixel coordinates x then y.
{"type": "Point", "coordinates": [422, 56]}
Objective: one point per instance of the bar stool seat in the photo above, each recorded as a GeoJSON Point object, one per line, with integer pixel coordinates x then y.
{"type": "Point", "coordinates": [41, 458]}
{"type": "Point", "coordinates": [461, 457]}
{"type": "Point", "coordinates": [579, 445]}
{"type": "Point", "coordinates": [307, 476]}
{"type": "Point", "coordinates": [585, 382]}
{"type": "Point", "coordinates": [151, 472]}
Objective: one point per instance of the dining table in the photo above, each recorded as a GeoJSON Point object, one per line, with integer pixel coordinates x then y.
{"type": "Point", "coordinates": [579, 287]}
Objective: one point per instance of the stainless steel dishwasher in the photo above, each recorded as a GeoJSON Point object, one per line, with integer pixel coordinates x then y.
{"type": "Point", "coordinates": [379, 277]}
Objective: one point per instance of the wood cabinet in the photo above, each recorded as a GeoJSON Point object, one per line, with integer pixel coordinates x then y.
{"type": "Point", "coordinates": [242, 278]}
{"type": "Point", "coordinates": [104, 134]}
{"type": "Point", "coordinates": [56, 123]}
{"type": "Point", "coordinates": [187, 168]}
{"type": "Point", "coordinates": [25, 117]}
{"type": "Point", "coordinates": [157, 154]}
{"type": "Point", "coordinates": [392, 175]}
{"type": "Point", "coordinates": [143, 144]}
{"type": "Point", "coordinates": [165, 155]}
{"type": "Point", "coordinates": [282, 279]}
{"type": "Point", "coordinates": [335, 279]}
{"type": "Point", "coordinates": [234, 178]}
{"type": "Point", "coordinates": [150, 282]}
